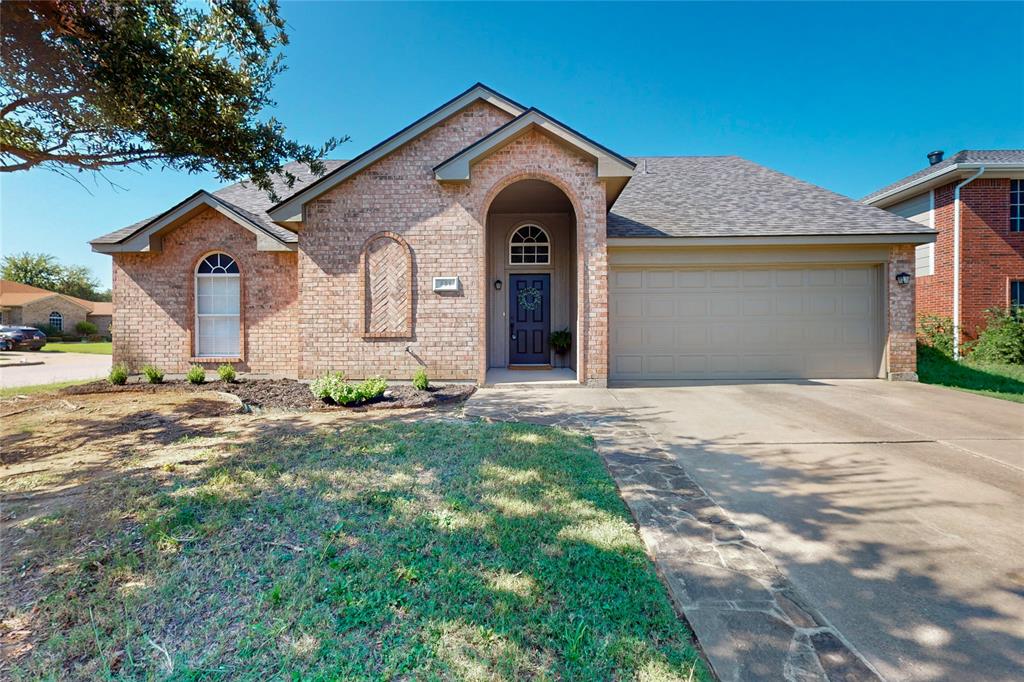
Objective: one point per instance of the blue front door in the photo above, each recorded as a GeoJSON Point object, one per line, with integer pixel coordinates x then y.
{"type": "Point", "coordinates": [529, 319]}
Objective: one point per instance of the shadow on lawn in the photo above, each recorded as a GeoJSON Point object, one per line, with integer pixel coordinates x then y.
{"type": "Point", "coordinates": [936, 368]}
{"type": "Point", "coordinates": [376, 550]}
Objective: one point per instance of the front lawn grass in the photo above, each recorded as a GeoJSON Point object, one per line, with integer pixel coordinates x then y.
{"type": "Point", "coordinates": [101, 348]}
{"type": "Point", "coordinates": [995, 380]}
{"type": "Point", "coordinates": [389, 550]}
{"type": "Point", "coordinates": [40, 388]}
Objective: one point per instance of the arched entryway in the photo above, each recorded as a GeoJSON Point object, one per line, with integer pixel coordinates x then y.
{"type": "Point", "coordinates": [532, 280]}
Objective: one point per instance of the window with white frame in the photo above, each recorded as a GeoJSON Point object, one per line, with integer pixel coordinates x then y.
{"type": "Point", "coordinates": [529, 245]}
{"type": "Point", "coordinates": [218, 307]}
{"type": "Point", "coordinates": [1016, 205]}
{"type": "Point", "coordinates": [57, 321]}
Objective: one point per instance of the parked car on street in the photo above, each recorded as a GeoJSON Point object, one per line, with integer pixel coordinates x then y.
{"type": "Point", "coordinates": [23, 338]}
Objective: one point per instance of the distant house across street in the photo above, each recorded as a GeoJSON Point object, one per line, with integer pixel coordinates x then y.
{"type": "Point", "coordinates": [21, 304]}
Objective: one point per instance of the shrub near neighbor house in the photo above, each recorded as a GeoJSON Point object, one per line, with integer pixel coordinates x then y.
{"type": "Point", "coordinates": [1003, 338]}
{"type": "Point", "coordinates": [937, 332]}
{"type": "Point", "coordinates": [85, 328]}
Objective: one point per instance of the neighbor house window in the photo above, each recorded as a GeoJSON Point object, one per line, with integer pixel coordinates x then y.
{"type": "Point", "coordinates": [1016, 205]}
{"type": "Point", "coordinates": [57, 321]}
{"type": "Point", "coordinates": [529, 244]}
{"type": "Point", "coordinates": [218, 307]}
{"type": "Point", "coordinates": [1017, 294]}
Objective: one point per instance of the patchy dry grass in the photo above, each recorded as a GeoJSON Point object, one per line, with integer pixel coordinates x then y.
{"type": "Point", "coordinates": [240, 547]}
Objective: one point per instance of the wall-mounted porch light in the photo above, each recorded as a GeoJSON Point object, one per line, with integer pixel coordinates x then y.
{"type": "Point", "coordinates": [903, 279]}
{"type": "Point", "coordinates": [497, 285]}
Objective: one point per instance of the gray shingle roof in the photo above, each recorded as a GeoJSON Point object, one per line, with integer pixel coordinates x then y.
{"type": "Point", "coordinates": [669, 196]}
{"type": "Point", "coordinates": [247, 200]}
{"type": "Point", "coordinates": [726, 196]}
{"type": "Point", "coordinates": [983, 156]}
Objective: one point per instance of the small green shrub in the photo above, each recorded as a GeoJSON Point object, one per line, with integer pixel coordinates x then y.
{"type": "Point", "coordinates": [196, 375]}
{"type": "Point", "coordinates": [937, 332]}
{"type": "Point", "coordinates": [226, 373]}
{"type": "Point", "coordinates": [85, 328]}
{"type": "Point", "coordinates": [420, 381]}
{"type": "Point", "coordinates": [332, 387]}
{"type": "Point", "coordinates": [323, 387]}
{"type": "Point", "coordinates": [118, 374]}
{"type": "Point", "coordinates": [1002, 341]}
{"type": "Point", "coordinates": [154, 375]}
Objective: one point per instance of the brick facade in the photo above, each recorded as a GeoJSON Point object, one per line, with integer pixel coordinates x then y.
{"type": "Point", "coordinates": [901, 342]}
{"type": "Point", "coordinates": [991, 255]}
{"type": "Point", "coordinates": [305, 312]}
{"type": "Point", "coordinates": [153, 311]}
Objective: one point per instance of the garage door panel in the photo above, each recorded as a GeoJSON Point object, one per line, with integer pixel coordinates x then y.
{"type": "Point", "coordinates": [744, 323]}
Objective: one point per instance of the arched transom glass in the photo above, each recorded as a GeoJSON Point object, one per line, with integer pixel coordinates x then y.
{"type": "Point", "coordinates": [529, 245]}
{"type": "Point", "coordinates": [218, 307]}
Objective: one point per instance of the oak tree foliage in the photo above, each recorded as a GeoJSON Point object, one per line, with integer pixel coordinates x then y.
{"type": "Point", "coordinates": [96, 84]}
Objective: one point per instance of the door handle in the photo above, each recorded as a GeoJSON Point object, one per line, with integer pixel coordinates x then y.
{"type": "Point", "coordinates": [512, 330]}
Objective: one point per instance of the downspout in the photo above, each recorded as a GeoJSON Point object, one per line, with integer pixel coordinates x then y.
{"type": "Point", "coordinates": [956, 261]}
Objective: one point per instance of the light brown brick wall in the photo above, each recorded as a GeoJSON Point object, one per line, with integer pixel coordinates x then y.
{"type": "Point", "coordinates": [38, 312]}
{"type": "Point", "coordinates": [901, 344]}
{"type": "Point", "coordinates": [153, 293]}
{"type": "Point", "coordinates": [444, 226]}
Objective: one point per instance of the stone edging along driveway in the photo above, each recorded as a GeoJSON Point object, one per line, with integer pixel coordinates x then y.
{"type": "Point", "coordinates": [747, 616]}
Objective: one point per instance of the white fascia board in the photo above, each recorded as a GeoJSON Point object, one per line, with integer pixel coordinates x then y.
{"type": "Point", "coordinates": [935, 179]}
{"type": "Point", "coordinates": [782, 240]}
{"type": "Point", "coordinates": [148, 238]}
{"type": "Point", "coordinates": [290, 210]}
{"type": "Point", "coordinates": [457, 168]}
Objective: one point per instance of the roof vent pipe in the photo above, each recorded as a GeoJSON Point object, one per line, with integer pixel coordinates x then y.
{"type": "Point", "coordinates": [935, 157]}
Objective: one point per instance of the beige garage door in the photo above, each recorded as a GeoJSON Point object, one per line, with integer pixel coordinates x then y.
{"type": "Point", "coordinates": [740, 323]}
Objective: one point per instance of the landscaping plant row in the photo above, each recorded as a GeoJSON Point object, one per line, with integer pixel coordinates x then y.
{"type": "Point", "coordinates": [331, 388]}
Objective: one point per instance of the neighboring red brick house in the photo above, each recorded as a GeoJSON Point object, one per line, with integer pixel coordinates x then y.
{"type": "Point", "coordinates": [461, 242]}
{"type": "Point", "coordinates": [991, 232]}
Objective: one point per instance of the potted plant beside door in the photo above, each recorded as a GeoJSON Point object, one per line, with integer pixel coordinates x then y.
{"type": "Point", "coordinates": [561, 342]}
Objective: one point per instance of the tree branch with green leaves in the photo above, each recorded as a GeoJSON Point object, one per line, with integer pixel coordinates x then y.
{"type": "Point", "coordinates": [90, 85]}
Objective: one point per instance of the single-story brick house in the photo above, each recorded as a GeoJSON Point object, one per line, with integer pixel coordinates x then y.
{"type": "Point", "coordinates": [463, 240]}
{"type": "Point", "coordinates": [974, 199]}
{"type": "Point", "coordinates": [22, 304]}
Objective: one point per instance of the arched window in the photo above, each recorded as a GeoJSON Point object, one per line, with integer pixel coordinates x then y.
{"type": "Point", "coordinates": [57, 321]}
{"type": "Point", "coordinates": [529, 244]}
{"type": "Point", "coordinates": [218, 307]}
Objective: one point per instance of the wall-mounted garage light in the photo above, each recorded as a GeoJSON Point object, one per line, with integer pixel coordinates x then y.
{"type": "Point", "coordinates": [497, 285]}
{"type": "Point", "coordinates": [903, 279]}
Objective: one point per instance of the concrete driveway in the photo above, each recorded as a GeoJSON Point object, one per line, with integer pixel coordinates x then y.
{"type": "Point", "coordinates": [22, 368]}
{"type": "Point", "coordinates": [896, 509]}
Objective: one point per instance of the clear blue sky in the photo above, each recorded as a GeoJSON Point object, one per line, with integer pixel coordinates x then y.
{"type": "Point", "coordinates": [848, 96]}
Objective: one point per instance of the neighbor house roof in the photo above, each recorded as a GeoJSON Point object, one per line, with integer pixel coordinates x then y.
{"type": "Point", "coordinates": [964, 162]}
{"type": "Point", "coordinates": [16, 294]}
{"type": "Point", "coordinates": [244, 200]}
{"type": "Point", "coordinates": [726, 196]}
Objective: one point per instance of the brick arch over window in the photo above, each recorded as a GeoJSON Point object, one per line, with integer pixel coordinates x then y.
{"type": "Point", "coordinates": [386, 262]}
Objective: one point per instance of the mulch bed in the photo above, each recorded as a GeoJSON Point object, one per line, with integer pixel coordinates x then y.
{"type": "Point", "coordinates": [289, 394]}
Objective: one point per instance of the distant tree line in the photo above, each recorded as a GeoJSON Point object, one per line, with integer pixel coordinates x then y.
{"type": "Point", "coordinates": [46, 272]}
